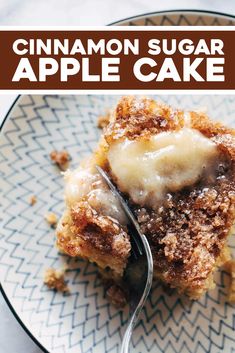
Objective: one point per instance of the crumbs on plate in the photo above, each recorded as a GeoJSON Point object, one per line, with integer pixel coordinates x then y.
{"type": "Point", "coordinates": [60, 158]}
{"type": "Point", "coordinates": [54, 279]}
{"type": "Point", "coordinates": [51, 219]}
{"type": "Point", "coordinates": [32, 200]}
{"type": "Point", "coordinates": [116, 296]}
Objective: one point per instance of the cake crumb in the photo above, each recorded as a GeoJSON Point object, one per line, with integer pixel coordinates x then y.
{"type": "Point", "coordinates": [32, 200]}
{"type": "Point", "coordinates": [230, 267]}
{"type": "Point", "coordinates": [51, 218]}
{"type": "Point", "coordinates": [103, 120]}
{"type": "Point", "coordinates": [116, 296]}
{"type": "Point", "coordinates": [60, 158]}
{"type": "Point", "coordinates": [54, 279]}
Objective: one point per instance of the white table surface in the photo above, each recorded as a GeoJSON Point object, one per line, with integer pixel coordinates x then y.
{"type": "Point", "coordinates": [13, 339]}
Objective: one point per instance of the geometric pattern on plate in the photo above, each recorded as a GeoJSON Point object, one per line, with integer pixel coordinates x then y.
{"type": "Point", "coordinates": [83, 321]}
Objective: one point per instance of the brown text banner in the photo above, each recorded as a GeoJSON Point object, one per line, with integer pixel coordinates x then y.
{"type": "Point", "coordinates": [156, 59]}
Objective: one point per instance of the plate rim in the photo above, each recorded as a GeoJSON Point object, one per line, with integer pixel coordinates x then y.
{"type": "Point", "coordinates": [19, 320]}
{"type": "Point", "coordinates": [18, 98]}
{"type": "Point", "coordinates": [2, 291]}
{"type": "Point", "coordinates": [175, 11]}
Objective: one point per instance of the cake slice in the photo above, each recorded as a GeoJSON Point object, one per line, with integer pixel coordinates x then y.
{"type": "Point", "coordinates": [93, 225]}
{"type": "Point", "coordinates": [176, 170]}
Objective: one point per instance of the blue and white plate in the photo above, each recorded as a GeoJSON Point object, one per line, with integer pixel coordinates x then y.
{"type": "Point", "coordinates": [83, 321]}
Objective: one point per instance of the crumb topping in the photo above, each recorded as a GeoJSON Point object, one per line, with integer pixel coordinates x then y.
{"type": "Point", "coordinates": [141, 118]}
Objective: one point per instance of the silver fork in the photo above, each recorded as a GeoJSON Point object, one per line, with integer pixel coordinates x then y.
{"type": "Point", "coordinates": [139, 271]}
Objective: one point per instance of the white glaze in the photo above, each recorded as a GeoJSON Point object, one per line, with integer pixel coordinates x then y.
{"type": "Point", "coordinates": [168, 162]}
{"type": "Point", "coordinates": [85, 183]}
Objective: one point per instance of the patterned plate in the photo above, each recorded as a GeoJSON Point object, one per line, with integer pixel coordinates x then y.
{"type": "Point", "coordinates": [83, 321]}
{"type": "Point", "coordinates": [179, 18]}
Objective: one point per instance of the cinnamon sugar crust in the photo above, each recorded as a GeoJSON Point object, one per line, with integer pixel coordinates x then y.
{"type": "Point", "coordinates": [135, 118]}
{"type": "Point", "coordinates": [188, 233]}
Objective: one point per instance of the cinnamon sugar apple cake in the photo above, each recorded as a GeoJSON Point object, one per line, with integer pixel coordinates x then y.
{"type": "Point", "coordinates": [176, 170]}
